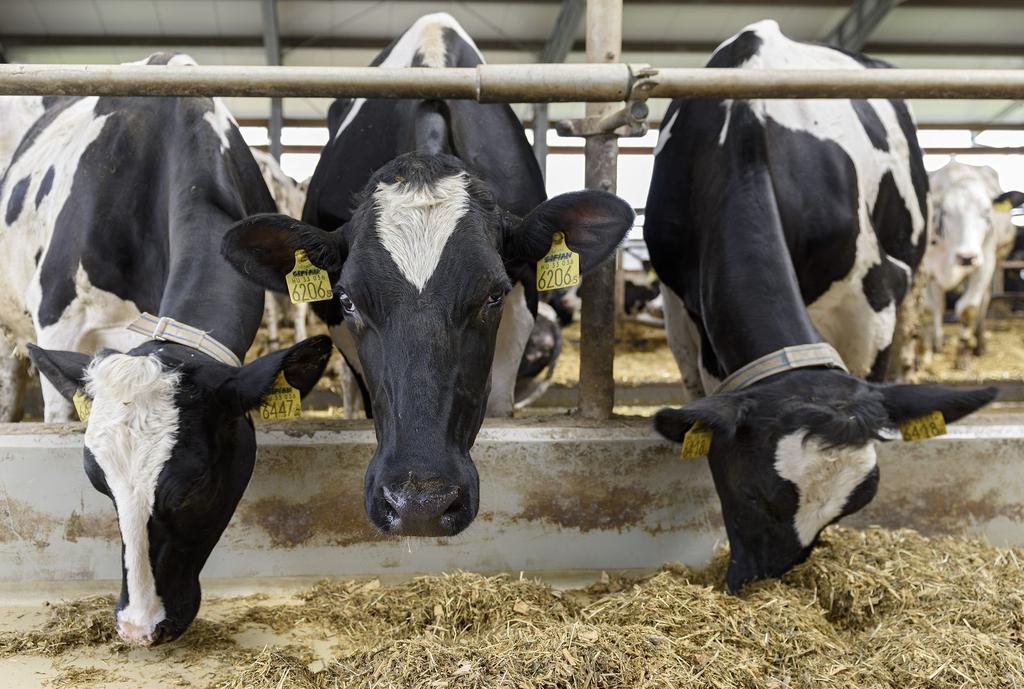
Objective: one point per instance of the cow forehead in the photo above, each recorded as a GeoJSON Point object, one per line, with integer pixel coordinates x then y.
{"type": "Point", "coordinates": [415, 221]}
{"type": "Point", "coordinates": [132, 430]}
{"type": "Point", "coordinates": [825, 477]}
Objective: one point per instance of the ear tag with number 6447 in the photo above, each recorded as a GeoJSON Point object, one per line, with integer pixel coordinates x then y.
{"type": "Point", "coordinates": [282, 402]}
{"type": "Point", "coordinates": [923, 427]}
{"type": "Point", "coordinates": [306, 282]}
{"type": "Point", "coordinates": [697, 441]}
{"type": "Point", "coordinates": [559, 268]}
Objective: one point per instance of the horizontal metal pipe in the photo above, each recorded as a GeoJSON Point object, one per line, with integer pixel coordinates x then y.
{"type": "Point", "coordinates": [854, 83]}
{"type": "Point", "coordinates": [504, 83]}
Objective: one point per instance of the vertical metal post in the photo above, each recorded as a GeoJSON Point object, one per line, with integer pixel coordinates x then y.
{"type": "Point", "coordinates": [540, 136]}
{"type": "Point", "coordinates": [597, 318]}
{"type": "Point", "coordinates": [272, 46]}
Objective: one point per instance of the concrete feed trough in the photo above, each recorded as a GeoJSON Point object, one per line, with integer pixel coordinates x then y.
{"type": "Point", "coordinates": [557, 495]}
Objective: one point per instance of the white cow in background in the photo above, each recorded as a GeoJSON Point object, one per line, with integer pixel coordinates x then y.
{"type": "Point", "coordinates": [290, 197]}
{"type": "Point", "coordinates": [973, 235]}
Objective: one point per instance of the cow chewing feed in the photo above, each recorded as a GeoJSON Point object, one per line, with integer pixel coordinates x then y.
{"type": "Point", "coordinates": [429, 217]}
{"type": "Point", "coordinates": [785, 234]}
{"type": "Point", "coordinates": [973, 235]}
{"type": "Point", "coordinates": [116, 207]}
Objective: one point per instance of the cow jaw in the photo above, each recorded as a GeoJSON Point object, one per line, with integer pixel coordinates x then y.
{"type": "Point", "coordinates": [131, 433]}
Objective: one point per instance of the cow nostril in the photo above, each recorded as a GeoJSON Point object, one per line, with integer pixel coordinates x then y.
{"type": "Point", "coordinates": [423, 508]}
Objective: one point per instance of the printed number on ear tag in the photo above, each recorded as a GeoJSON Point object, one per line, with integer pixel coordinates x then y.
{"type": "Point", "coordinates": [697, 441]}
{"type": "Point", "coordinates": [559, 268]}
{"type": "Point", "coordinates": [282, 402]}
{"type": "Point", "coordinates": [923, 427]}
{"type": "Point", "coordinates": [306, 282]}
{"type": "Point", "coordinates": [83, 405]}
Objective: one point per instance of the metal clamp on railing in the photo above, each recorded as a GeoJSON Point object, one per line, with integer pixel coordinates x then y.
{"type": "Point", "coordinates": [631, 120]}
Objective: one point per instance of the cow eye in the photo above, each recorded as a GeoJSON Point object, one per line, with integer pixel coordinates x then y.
{"type": "Point", "coordinates": [495, 299]}
{"type": "Point", "coordinates": [346, 303]}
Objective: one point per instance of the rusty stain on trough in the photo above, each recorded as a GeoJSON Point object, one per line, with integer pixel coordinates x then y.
{"type": "Point", "coordinates": [322, 519]}
{"type": "Point", "coordinates": [91, 525]}
{"type": "Point", "coordinates": [19, 521]}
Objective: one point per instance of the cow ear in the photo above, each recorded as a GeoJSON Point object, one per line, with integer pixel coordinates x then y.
{"type": "Point", "coordinates": [722, 413]}
{"type": "Point", "coordinates": [903, 402]}
{"type": "Point", "coordinates": [65, 370]}
{"type": "Point", "coordinates": [593, 222]}
{"type": "Point", "coordinates": [302, 365]}
{"type": "Point", "coordinates": [1012, 199]}
{"type": "Point", "coordinates": [262, 248]}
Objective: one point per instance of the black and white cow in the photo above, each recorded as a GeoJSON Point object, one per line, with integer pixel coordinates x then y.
{"type": "Point", "coordinates": [430, 218]}
{"type": "Point", "coordinates": [782, 223]}
{"type": "Point", "coordinates": [114, 207]}
{"type": "Point", "coordinates": [973, 235]}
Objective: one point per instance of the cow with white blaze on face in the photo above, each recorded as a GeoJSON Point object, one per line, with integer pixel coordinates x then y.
{"type": "Point", "coordinates": [115, 210]}
{"type": "Point", "coordinates": [784, 234]}
{"type": "Point", "coordinates": [973, 235]}
{"type": "Point", "coordinates": [429, 217]}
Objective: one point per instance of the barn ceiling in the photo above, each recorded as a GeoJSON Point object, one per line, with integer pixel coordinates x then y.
{"type": "Point", "coordinates": [679, 33]}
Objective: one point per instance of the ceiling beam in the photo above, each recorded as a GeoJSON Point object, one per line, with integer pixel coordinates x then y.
{"type": "Point", "coordinates": [14, 41]}
{"type": "Point", "coordinates": [860, 21]}
{"type": "Point", "coordinates": [563, 35]}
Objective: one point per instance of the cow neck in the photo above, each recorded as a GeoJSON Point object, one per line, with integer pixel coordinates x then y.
{"type": "Point", "coordinates": [749, 290]}
{"type": "Point", "coordinates": [203, 291]}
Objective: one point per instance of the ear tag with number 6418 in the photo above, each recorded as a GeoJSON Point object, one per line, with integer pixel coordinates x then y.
{"type": "Point", "coordinates": [697, 441]}
{"type": "Point", "coordinates": [559, 268]}
{"type": "Point", "coordinates": [282, 402]}
{"type": "Point", "coordinates": [306, 282]}
{"type": "Point", "coordinates": [83, 405]}
{"type": "Point", "coordinates": [923, 427]}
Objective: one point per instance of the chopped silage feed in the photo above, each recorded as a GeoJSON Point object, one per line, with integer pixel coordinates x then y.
{"type": "Point", "coordinates": [872, 608]}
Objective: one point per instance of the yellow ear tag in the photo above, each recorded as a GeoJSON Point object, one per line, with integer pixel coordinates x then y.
{"type": "Point", "coordinates": [697, 441]}
{"type": "Point", "coordinates": [306, 282]}
{"type": "Point", "coordinates": [282, 402]}
{"type": "Point", "coordinates": [559, 268]}
{"type": "Point", "coordinates": [83, 405]}
{"type": "Point", "coordinates": [923, 427]}
{"type": "Point", "coordinates": [1003, 206]}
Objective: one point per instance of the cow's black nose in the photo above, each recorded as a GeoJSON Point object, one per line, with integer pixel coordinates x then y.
{"type": "Point", "coordinates": [429, 507]}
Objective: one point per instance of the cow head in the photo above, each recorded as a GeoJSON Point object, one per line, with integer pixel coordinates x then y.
{"type": "Point", "coordinates": [796, 452]}
{"type": "Point", "coordinates": [170, 441]}
{"type": "Point", "coordinates": [420, 272]}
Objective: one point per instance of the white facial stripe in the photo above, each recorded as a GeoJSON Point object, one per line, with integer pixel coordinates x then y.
{"type": "Point", "coordinates": [426, 37]}
{"type": "Point", "coordinates": [132, 430]}
{"type": "Point", "coordinates": [414, 224]}
{"type": "Point", "coordinates": [824, 478]}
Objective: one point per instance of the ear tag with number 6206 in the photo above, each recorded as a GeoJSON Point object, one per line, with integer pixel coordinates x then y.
{"type": "Point", "coordinates": [697, 441]}
{"type": "Point", "coordinates": [83, 405]}
{"type": "Point", "coordinates": [282, 402]}
{"type": "Point", "coordinates": [559, 268]}
{"type": "Point", "coordinates": [923, 427]}
{"type": "Point", "coordinates": [306, 282]}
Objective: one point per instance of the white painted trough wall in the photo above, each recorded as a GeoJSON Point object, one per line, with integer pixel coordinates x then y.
{"type": "Point", "coordinates": [557, 494]}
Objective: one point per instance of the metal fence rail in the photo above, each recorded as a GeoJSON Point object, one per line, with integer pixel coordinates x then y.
{"type": "Point", "coordinates": [531, 83]}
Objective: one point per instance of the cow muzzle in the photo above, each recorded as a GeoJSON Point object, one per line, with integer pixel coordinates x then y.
{"type": "Point", "coordinates": [966, 258]}
{"type": "Point", "coordinates": [416, 506]}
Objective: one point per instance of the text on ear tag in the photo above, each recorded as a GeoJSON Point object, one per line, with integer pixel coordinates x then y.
{"type": "Point", "coordinates": [1003, 206]}
{"type": "Point", "coordinates": [83, 405]}
{"type": "Point", "coordinates": [306, 282]}
{"type": "Point", "coordinates": [697, 441]}
{"type": "Point", "coordinates": [559, 268]}
{"type": "Point", "coordinates": [923, 427]}
{"type": "Point", "coordinates": [282, 402]}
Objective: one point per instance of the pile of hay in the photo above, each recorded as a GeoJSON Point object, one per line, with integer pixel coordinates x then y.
{"type": "Point", "coordinates": [869, 609]}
